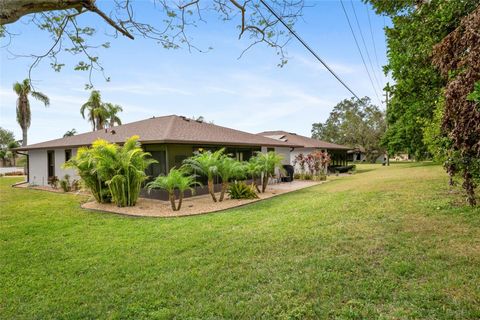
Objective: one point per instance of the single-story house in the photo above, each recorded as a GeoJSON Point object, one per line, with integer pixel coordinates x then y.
{"type": "Point", "coordinates": [357, 154]}
{"type": "Point", "coordinates": [169, 139]}
{"type": "Point", "coordinates": [338, 153]}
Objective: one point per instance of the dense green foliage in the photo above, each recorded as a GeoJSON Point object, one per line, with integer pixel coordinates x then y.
{"type": "Point", "coordinates": [206, 164]}
{"type": "Point", "coordinates": [266, 164]}
{"type": "Point", "coordinates": [241, 190]}
{"type": "Point", "coordinates": [7, 144]}
{"type": "Point", "coordinates": [341, 250]}
{"type": "Point", "coordinates": [417, 27]}
{"type": "Point", "coordinates": [228, 169]}
{"type": "Point", "coordinates": [354, 123]}
{"type": "Point", "coordinates": [176, 180]}
{"type": "Point", "coordinates": [23, 91]}
{"type": "Point", "coordinates": [111, 172]}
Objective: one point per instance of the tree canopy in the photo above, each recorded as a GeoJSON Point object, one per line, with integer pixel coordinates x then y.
{"type": "Point", "coordinates": [354, 123]}
{"type": "Point", "coordinates": [418, 25]}
{"type": "Point", "coordinates": [170, 29]}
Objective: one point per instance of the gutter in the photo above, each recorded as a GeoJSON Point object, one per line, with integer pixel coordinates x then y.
{"type": "Point", "coordinates": [28, 163]}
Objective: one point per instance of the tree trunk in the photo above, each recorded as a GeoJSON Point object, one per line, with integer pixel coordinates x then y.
{"type": "Point", "coordinates": [224, 189]}
{"type": "Point", "coordinates": [211, 190]}
{"type": "Point", "coordinates": [469, 187]}
{"type": "Point", "coordinates": [171, 196]}
{"type": "Point", "coordinates": [264, 182]}
{"type": "Point", "coordinates": [180, 200]}
{"type": "Point", "coordinates": [24, 137]}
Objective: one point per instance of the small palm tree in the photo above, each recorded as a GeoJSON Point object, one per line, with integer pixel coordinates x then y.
{"type": "Point", "coordinates": [112, 114]}
{"type": "Point", "coordinates": [97, 114]}
{"type": "Point", "coordinates": [175, 180]}
{"type": "Point", "coordinates": [253, 170]}
{"type": "Point", "coordinates": [23, 90]}
{"type": "Point", "coordinates": [267, 163]}
{"type": "Point", "coordinates": [206, 164]}
{"type": "Point", "coordinates": [70, 133]}
{"type": "Point", "coordinates": [228, 169]}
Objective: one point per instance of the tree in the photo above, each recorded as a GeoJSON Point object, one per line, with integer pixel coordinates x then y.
{"type": "Point", "coordinates": [176, 179]}
{"type": "Point", "coordinates": [97, 113]}
{"type": "Point", "coordinates": [267, 163]}
{"type": "Point", "coordinates": [23, 90]}
{"type": "Point", "coordinates": [174, 20]}
{"type": "Point", "coordinates": [11, 153]}
{"type": "Point", "coordinates": [6, 137]}
{"type": "Point", "coordinates": [228, 168]}
{"type": "Point", "coordinates": [70, 133]}
{"type": "Point", "coordinates": [112, 114]}
{"type": "Point", "coordinates": [354, 123]}
{"type": "Point", "coordinates": [206, 164]}
{"type": "Point", "coordinates": [457, 57]}
{"type": "Point", "coordinates": [417, 26]}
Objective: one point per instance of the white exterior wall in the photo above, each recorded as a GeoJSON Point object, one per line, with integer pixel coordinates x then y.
{"type": "Point", "coordinates": [38, 166]}
{"type": "Point", "coordinates": [285, 152]}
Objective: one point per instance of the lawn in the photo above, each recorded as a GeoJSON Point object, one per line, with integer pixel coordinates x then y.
{"type": "Point", "coordinates": [385, 243]}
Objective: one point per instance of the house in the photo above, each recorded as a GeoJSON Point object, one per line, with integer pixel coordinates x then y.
{"type": "Point", "coordinates": [338, 153]}
{"type": "Point", "coordinates": [357, 154]}
{"type": "Point", "coordinates": [169, 139]}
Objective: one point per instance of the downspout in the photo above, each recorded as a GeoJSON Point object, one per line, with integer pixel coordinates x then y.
{"type": "Point", "coordinates": [28, 164]}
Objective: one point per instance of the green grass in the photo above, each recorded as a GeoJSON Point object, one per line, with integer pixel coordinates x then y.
{"type": "Point", "coordinates": [385, 243]}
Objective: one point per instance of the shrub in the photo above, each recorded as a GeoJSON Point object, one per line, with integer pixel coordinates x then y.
{"type": "Point", "coordinates": [112, 173]}
{"type": "Point", "coordinates": [175, 180]}
{"type": "Point", "coordinates": [297, 176]}
{"type": "Point", "coordinates": [65, 183]}
{"type": "Point", "coordinates": [241, 190]}
{"type": "Point", "coordinates": [307, 176]}
{"type": "Point", "coordinates": [14, 173]}
{"type": "Point", "coordinates": [53, 182]}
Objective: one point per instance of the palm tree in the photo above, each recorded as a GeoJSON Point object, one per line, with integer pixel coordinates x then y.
{"type": "Point", "coordinates": [228, 168]}
{"type": "Point", "coordinates": [175, 180]}
{"type": "Point", "coordinates": [112, 111]}
{"type": "Point", "coordinates": [24, 89]}
{"type": "Point", "coordinates": [97, 114]}
{"type": "Point", "coordinates": [206, 164]}
{"type": "Point", "coordinates": [70, 133]}
{"type": "Point", "coordinates": [267, 163]}
{"type": "Point", "coordinates": [253, 170]}
{"type": "Point", "coordinates": [12, 145]}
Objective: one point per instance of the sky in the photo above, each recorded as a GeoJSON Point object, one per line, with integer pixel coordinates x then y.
{"type": "Point", "coordinates": [250, 93]}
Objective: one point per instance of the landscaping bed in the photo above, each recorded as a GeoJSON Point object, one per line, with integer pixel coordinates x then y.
{"type": "Point", "coordinates": [194, 205]}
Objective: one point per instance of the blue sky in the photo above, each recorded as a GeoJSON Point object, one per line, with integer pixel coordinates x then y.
{"type": "Point", "coordinates": [250, 94]}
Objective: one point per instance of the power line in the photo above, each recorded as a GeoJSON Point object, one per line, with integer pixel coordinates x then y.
{"type": "Point", "coordinates": [365, 46]}
{"type": "Point", "coordinates": [373, 38]}
{"type": "Point", "coordinates": [359, 51]}
{"type": "Point", "coordinates": [309, 49]}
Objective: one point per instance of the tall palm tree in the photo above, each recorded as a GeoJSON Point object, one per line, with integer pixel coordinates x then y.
{"type": "Point", "coordinates": [97, 114]}
{"type": "Point", "coordinates": [23, 90]}
{"type": "Point", "coordinates": [112, 111]}
{"type": "Point", "coordinates": [70, 133]}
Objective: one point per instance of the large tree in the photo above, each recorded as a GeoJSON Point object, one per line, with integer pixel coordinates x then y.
{"type": "Point", "coordinates": [354, 123]}
{"type": "Point", "coordinates": [24, 114]}
{"type": "Point", "coordinates": [417, 26]}
{"type": "Point", "coordinates": [6, 137]}
{"type": "Point", "coordinates": [173, 21]}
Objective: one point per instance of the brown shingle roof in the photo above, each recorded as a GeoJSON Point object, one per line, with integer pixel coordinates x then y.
{"type": "Point", "coordinates": [166, 129]}
{"type": "Point", "coordinates": [302, 140]}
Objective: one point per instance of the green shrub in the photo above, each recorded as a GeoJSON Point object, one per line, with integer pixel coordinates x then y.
{"type": "Point", "coordinates": [241, 190]}
{"type": "Point", "coordinates": [53, 182]}
{"type": "Point", "coordinates": [297, 176]}
{"type": "Point", "coordinates": [111, 172]}
{"type": "Point", "coordinates": [307, 176]}
{"type": "Point", "coordinates": [65, 185]}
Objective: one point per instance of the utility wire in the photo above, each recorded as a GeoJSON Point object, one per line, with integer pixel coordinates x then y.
{"type": "Point", "coordinates": [373, 39]}
{"type": "Point", "coordinates": [365, 46]}
{"type": "Point", "coordinates": [359, 51]}
{"type": "Point", "coordinates": [309, 49]}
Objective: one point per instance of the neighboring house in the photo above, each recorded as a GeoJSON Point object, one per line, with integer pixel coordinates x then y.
{"type": "Point", "coordinates": [357, 154]}
{"type": "Point", "coordinates": [169, 139]}
{"type": "Point", "coordinates": [338, 153]}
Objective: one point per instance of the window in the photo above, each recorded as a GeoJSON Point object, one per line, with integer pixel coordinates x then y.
{"type": "Point", "coordinates": [68, 154]}
{"type": "Point", "coordinates": [50, 163]}
{"type": "Point", "coordinates": [270, 149]}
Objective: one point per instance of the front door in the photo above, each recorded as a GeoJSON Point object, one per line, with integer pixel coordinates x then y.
{"type": "Point", "coordinates": [51, 163]}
